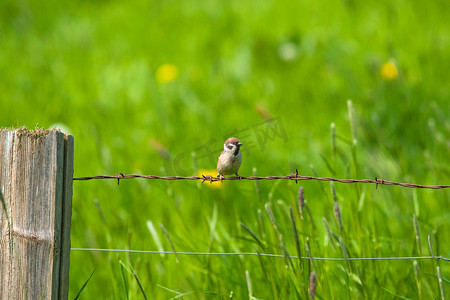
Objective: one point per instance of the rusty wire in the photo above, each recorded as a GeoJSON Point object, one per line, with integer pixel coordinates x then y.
{"type": "Point", "coordinates": [294, 176]}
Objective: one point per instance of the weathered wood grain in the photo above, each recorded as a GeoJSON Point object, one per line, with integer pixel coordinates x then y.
{"type": "Point", "coordinates": [36, 169]}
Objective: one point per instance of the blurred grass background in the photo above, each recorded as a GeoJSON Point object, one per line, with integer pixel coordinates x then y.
{"type": "Point", "coordinates": [155, 87]}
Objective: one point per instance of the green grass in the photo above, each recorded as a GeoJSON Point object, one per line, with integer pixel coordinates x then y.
{"type": "Point", "coordinates": [90, 66]}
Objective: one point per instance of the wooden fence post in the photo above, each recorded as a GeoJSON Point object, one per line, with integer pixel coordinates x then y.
{"type": "Point", "coordinates": [36, 172]}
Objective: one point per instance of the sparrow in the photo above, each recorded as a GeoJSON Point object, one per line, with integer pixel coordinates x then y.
{"type": "Point", "coordinates": [230, 159]}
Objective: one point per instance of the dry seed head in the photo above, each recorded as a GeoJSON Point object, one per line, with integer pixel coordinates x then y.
{"type": "Point", "coordinates": [312, 285]}
{"type": "Point", "coordinates": [337, 215]}
{"type": "Point", "coordinates": [301, 201]}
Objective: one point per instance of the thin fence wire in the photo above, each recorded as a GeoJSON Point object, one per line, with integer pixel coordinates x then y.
{"type": "Point", "coordinates": [436, 258]}
{"type": "Point", "coordinates": [294, 176]}
{"type": "Point", "coordinates": [251, 254]}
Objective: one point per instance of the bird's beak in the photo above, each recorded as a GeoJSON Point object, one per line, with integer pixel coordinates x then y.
{"type": "Point", "coordinates": [240, 144]}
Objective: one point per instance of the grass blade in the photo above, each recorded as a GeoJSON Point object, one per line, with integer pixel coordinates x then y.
{"type": "Point", "coordinates": [311, 258]}
{"type": "Point", "coordinates": [249, 285]}
{"type": "Point", "coordinates": [271, 217]}
{"type": "Point", "coordinates": [252, 234]}
{"type": "Point", "coordinates": [155, 236]}
{"type": "Point", "coordinates": [296, 238]}
{"type": "Point", "coordinates": [330, 237]}
{"type": "Point", "coordinates": [124, 278]}
{"type": "Point", "coordinates": [418, 280]}
{"type": "Point", "coordinates": [163, 229]}
{"type": "Point", "coordinates": [84, 285]}
{"type": "Point", "coordinates": [351, 117]}
{"type": "Point", "coordinates": [140, 284]}
{"type": "Point", "coordinates": [417, 233]}
{"type": "Point", "coordinates": [286, 254]}
{"type": "Point", "coordinates": [131, 270]}
{"type": "Point", "coordinates": [179, 295]}
{"type": "Point", "coordinates": [441, 285]}
{"type": "Point", "coordinates": [333, 140]}
{"type": "Point", "coordinates": [262, 265]}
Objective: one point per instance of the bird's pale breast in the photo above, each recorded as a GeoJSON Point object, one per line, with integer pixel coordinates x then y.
{"type": "Point", "coordinates": [229, 164]}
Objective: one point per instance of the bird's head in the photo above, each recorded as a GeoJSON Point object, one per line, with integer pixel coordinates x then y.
{"type": "Point", "coordinates": [232, 145]}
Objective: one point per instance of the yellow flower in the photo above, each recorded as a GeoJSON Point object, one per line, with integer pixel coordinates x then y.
{"type": "Point", "coordinates": [389, 71]}
{"type": "Point", "coordinates": [213, 173]}
{"type": "Point", "coordinates": [166, 73]}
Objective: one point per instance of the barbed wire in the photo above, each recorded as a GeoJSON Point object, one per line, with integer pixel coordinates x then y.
{"type": "Point", "coordinates": [436, 258]}
{"type": "Point", "coordinates": [293, 176]}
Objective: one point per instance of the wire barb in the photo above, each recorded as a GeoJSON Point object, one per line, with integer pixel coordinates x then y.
{"type": "Point", "coordinates": [293, 176]}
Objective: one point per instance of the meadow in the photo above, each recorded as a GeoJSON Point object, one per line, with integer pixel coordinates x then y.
{"type": "Point", "coordinates": [346, 89]}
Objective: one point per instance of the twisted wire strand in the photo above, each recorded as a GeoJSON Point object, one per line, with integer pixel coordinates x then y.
{"type": "Point", "coordinates": [294, 176]}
